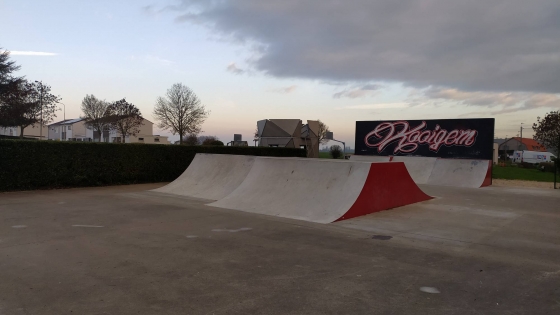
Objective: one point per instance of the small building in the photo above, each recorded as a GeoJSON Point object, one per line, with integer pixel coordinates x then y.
{"type": "Point", "coordinates": [520, 144]}
{"type": "Point", "coordinates": [289, 133]}
{"type": "Point", "coordinates": [77, 130]}
{"type": "Point", "coordinates": [69, 130]}
{"type": "Point", "coordinates": [33, 131]}
{"type": "Point", "coordinates": [238, 141]}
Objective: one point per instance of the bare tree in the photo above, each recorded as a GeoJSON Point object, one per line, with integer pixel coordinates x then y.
{"type": "Point", "coordinates": [96, 113]}
{"type": "Point", "coordinates": [323, 129]}
{"type": "Point", "coordinates": [180, 111]}
{"type": "Point", "coordinates": [125, 118]}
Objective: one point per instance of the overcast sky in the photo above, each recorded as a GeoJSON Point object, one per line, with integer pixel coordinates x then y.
{"type": "Point", "coordinates": [338, 61]}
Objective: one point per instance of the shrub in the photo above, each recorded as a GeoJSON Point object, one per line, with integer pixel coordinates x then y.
{"type": "Point", "coordinates": [2, 137]}
{"type": "Point", "coordinates": [547, 167]}
{"type": "Point", "coordinates": [191, 139]}
{"type": "Point", "coordinates": [526, 165]}
{"type": "Point", "coordinates": [336, 151]}
{"type": "Point", "coordinates": [216, 142]}
{"type": "Point", "coordinates": [207, 140]}
{"type": "Point", "coordinates": [26, 165]}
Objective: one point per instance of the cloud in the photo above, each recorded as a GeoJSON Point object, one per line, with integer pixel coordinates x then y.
{"type": "Point", "coordinates": [151, 59]}
{"type": "Point", "coordinates": [285, 90]}
{"type": "Point", "coordinates": [32, 53]}
{"type": "Point", "coordinates": [374, 106]}
{"type": "Point", "coordinates": [233, 69]}
{"type": "Point", "coordinates": [363, 91]}
{"type": "Point", "coordinates": [499, 102]}
{"type": "Point", "coordinates": [493, 45]}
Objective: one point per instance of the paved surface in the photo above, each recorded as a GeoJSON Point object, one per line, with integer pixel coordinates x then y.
{"type": "Point", "coordinates": [121, 250]}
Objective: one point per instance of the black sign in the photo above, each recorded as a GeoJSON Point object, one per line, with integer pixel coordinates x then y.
{"type": "Point", "coordinates": [445, 138]}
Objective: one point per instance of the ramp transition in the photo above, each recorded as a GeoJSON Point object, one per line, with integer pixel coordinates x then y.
{"type": "Point", "coordinates": [322, 191]}
{"type": "Point", "coordinates": [461, 173]}
{"type": "Point", "coordinates": [442, 172]}
{"type": "Point", "coordinates": [211, 176]}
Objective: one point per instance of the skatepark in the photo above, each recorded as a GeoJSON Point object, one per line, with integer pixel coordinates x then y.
{"type": "Point", "coordinates": [364, 237]}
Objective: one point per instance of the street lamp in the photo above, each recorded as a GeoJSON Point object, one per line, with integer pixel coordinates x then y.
{"type": "Point", "coordinates": [64, 110]}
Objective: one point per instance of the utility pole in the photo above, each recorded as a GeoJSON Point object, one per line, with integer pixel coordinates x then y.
{"type": "Point", "coordinates": [556, 160]}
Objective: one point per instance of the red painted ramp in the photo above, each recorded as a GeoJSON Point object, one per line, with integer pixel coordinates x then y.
{"type": "Point", "coordinates": [387, 186]}
{"type": "Point", "coordinates": [322, 191]}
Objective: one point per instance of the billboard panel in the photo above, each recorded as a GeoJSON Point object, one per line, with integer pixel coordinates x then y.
{"type": "Point", "coordinates": [445, 138]}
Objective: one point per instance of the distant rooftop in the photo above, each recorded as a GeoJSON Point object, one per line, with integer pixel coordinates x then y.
{"type": "Point", "coordinates": [67, 121]}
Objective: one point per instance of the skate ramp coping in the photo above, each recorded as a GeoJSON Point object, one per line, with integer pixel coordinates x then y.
{"type": "Point", "coordinates": [369, 158]}
{"type": "Point", "coordinates": [211, 176]}
{"type": "Point", "coordinates": [322, 191]}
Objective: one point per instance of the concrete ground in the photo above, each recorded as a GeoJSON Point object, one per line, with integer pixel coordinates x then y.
{"type": "Point", "coordinates": [122, 250]}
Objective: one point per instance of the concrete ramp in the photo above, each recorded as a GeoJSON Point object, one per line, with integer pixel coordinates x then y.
{"type": "Point", "coordinates": [419, 168]}
{"type": "Point", "coordinates": [322, 191]}
{"type": "Point", "coordinates": [461, 173]}
{"type": "Point", "coordinates": [369, 158]}
{"type": "Point", "coordinates": [211, 176]}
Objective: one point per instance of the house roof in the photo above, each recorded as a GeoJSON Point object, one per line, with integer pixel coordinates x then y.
{"type": "Point", "coordinates": [499, 141]}
{"type": "Point", "coordinates": [67, 121]}
{"type": "Point", "coordinates": [531, 144]}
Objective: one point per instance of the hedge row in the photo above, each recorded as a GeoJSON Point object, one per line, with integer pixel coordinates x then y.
{"type": "Point", "coordinates": [27, 165]}
{"type": "Point", "coordinates": [3, 137]}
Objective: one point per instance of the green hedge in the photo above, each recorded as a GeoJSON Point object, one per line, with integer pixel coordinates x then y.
{"type": "Point", "coordinates": [3, 137]}
{"type": "Point", "coordinates": [26, 165]}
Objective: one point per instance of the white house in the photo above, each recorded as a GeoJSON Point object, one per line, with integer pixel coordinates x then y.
{"type": "Point", "coordinates": [76, 130]}
{"type": "Point", "coordinates": [33, 131]}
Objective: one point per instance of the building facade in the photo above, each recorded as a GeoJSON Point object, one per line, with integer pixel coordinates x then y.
{"type": "Point", "coordinates": [289, 133]}
{"type": "Point", "coordinates": [33, 131]}
{"type": "Point", "coordinates": [77, 130]}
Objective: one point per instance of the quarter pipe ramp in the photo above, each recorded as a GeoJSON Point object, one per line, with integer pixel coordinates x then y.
{"type": "Point", "coordinates": [211, 176]}
{"type": "Point", "coordinates": [461, 173]}
{"type": "Point", "coordinates": [322, 191]}
{"type": "Point", "coordinates": [441, 172]}
{"type": "Point", "coordinates": [420, 168]}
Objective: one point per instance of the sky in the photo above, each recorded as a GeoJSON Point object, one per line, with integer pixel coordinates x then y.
{"type": "Point", "coordinates": [337, 61]}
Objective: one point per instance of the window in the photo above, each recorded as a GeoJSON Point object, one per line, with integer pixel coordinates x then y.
{"type": "Point", "coordinates": [11, 132]}
{"type": "Point", "coordinates": [156, 139]}
{"type": "Point", "coordinates": [273, 146]}
{"type": "Point", "coordinates": [140, 139]}
{"type": "Point", "coordinates": [69, 127]}
{"type": "Point", "coordinates": [56, 130]}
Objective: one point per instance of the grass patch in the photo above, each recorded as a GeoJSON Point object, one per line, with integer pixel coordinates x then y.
{"type": "Point", "coordinates": [513, 172]}
{"type": "Point", "coordinates": [327, 155]}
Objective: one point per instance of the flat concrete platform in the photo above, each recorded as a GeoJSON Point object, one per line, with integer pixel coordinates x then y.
{"type": "Point", "coordinates": [122, 250]}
